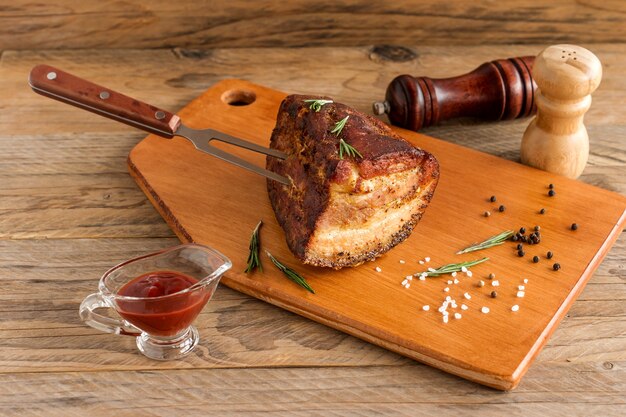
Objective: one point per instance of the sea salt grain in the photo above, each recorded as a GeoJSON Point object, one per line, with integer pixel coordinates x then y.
{"type": "Point", "coordinates": [467, 296]}
{"type": "Point", "coordinates": [463, 269]}
{"type": "Point", "coordinates": [449, 282]}
{"type": "Point", "coordinates": [426, 307]}
{"type": "Point", "coordinates": [520, 287]}
{"type": "Point", "coordinates": [422, 278]}
{"type": "Point", "coordinates": [457, 315]}
{"type": "Point", "coordinates": [515, 308]}
{"type": "Point", "coordinates": [453, 274]}
{"type": "Point", "coordinates": [456, 281]}
{"type": "Point", "coordinates": [468, 273]}
{"type": "Point", "coordinates": [495, 283]}
{"type": "Point", "coordinates": [421, 262]}
{"type": "Point", "coordinates": [427, 259]}
{"type": "Point", "coordinates": [520, 294]}
{"type": "Point", "coordinates": [402, 261]}
{"type": "Point", "coordinates": [448, 299]}
{"type": "Point", "coordinates": [525, 281]}
{"type": "Point", "coordinates": [446, 289]}
{"type": "Point", "coordinates": [485, 310]}
{"type": "Point", "coordinates": [445, 319]}
{"type": "Point", "coordinates": [464, 307]}
{"type": "Point", "coordinates": [407, 285]}
{"type": "Point", "coordinates": [431, 269]}
{"type": "Point", "coordinates": [406, 281]}
{"type": "Point", "coordinates": [378, 269]}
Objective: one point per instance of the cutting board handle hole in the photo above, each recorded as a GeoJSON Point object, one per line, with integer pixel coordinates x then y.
{"type": "Point", "coordinates": [238, 97]}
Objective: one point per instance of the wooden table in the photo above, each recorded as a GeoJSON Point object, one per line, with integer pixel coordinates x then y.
{"type": "Point", "coordinates": [69, 211]}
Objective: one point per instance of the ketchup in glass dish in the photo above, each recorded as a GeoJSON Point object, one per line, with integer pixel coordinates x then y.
{"type": "Point", "coordinates": [161, 306]}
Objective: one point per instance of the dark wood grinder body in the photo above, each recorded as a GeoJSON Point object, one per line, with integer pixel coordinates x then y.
{"type": "Point", "coordinates": [497, 90]}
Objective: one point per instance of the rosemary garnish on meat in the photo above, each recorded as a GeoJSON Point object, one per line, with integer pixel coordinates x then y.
{"type": "Point", "coordinates": [339, 126]}
{"type": "Point", "coordinates": [450, 268]}
{"type": "Point", "coordinates": [348, 150]}
{"type": "Point", "coordinates": [316, 105]}
{"type": "Point", "coordinates": [496, 240]}
{"type": "Point", "coordinates": [253, 257]}
{"type": "Point", "coordinates": [291, 274]}
{"type": "Point", "coordinates": [344, 147]}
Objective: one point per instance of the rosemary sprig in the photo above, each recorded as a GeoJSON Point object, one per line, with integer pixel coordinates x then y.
{"type": "Point", "coordinates": [316, 105]}
{"type": "Point", "coordinates": [496, 240]}
{"type": "Point", "coordinates": [339, 126]}
{"type": "Point", "coordinates": [291, 274]}
{"type": "Point", "coordinates": [253, 257]}
{"type": "Point", "coordinates": [449, 268]}
{"type": "Point", "coordinates": [348, 150]}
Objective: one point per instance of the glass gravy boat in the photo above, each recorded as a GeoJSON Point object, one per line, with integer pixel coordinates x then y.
{"type": "Point", "coordinates": [169, 289]}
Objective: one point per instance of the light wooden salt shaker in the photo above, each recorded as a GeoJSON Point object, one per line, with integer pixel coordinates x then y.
{"type": "Point", "coordinates": [556, 139]}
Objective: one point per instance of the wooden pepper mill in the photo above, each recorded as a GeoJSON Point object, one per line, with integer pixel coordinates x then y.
{"type": "Point", "coordinates": [496, 90]}
{"type": "Point", "coordinates": [556, 140]}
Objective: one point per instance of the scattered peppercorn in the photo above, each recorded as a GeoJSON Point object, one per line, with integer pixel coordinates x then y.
{"type": "Point", "coordinates": [487, 214]}
{"type": "Point", "coordinates": [519, 246]}
{"type": "Point", "coordinates": [535, 259]}
{"type": "Point", "coordinates": [524, 239]}
{"type": "Point", "coordinates": [514, 238]}
{"type": "Point", "coordinates": [549, 255]}
{"type": "Point", "coordinates": [574, 226]}
{"type": "Point", "coordinates": [501, 209]}
{"type": "Point", "coordinates": [522, 230]}
{"type": "Point", "coordinates": [492, 275]}
{"type": "Point", "coordinates": [551, 186]}
{"type": "Point", "coordinates": [556, 266]}
{"type": "Point", "coordinates": [520, 253]}
{"type": "Point", "coordinates": [493, 199]}
{"type": "Point", "coordinates": [494, 294]}
{"type": "Point", "coordinates": [542, 211]}
{"type": "Point", "coordinates": [551, 193]}
{"type": "Point", "coordinates": [537, 228]}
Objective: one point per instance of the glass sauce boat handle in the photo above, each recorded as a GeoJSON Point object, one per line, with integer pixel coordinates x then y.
{"type": "Point", "coordinates": [104, 323]}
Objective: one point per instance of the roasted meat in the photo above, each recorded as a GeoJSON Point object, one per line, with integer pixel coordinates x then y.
{"type": "Point", "coordinates": [343, 212]}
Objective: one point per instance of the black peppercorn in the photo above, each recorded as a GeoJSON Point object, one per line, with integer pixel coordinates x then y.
{"type": "Point", "coordinates": [574, 226]}
{"type": "Point", "coordinates": [493, 199]}
{"type": "Point", "coordinates": [494, 294]}
{"type": "Point", "coordinates": [524, 239]}
{"type": "Point", "coordinates": [542, 211]}
{"type": "Point", "coordinates": [501, 209]}
{"type": "Point", "coordinates": [535, 259]}
{"type": "Point", "coordinates": [551, 193]}
{"type": "Point", "coordinates": [520, 253]}
{"type": "Point", "coordinates": [551, 186]}
{"type": "Point", "coordinates": [549, 255]}
{"type": "Point", "coordinates": [522, 230]}
{"type": "Point", "coordinates": [556, 266]}
{"type": "Point", "coordinates": [519, 246]}
{"type": "Point", "coordinates": [514, 238]}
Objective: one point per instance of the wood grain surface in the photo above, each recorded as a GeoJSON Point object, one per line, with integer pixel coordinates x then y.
{"type": "Point", "coordinates": [238, 23]}
{"type": "Point", "coordinates": [69, 210]}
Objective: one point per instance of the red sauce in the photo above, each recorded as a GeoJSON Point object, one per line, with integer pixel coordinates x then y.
{"type": "Point", "coordinates": [162, 316]}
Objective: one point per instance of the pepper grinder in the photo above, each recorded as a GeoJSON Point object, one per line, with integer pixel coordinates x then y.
{"type": "Point", "coordinates": [496, 90]}
{"type": "Point", "coordinates": [556, 140]}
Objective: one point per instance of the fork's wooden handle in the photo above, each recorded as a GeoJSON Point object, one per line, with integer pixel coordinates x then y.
{"type": "Point", "coordinates": [59, 85]}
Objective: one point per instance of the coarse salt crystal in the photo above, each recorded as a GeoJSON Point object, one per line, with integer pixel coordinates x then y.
{"type": "Point", "coordinates": [421, 262]}
{"type": "Point", "coordinates": [445, 319]}
{"type": "Point", "coordinates": [485, 310]}
{"type": "Point", "coordinates": [445, 313]}
{"type": "Point", "coordinates": [466, 295]}
{"type": "Point", "coordinates": [449, 282]}
{"type": "Point", "coordinates": [495, 283]}
{"type": "Point", "coordinates": [520, 294]}
{"type": "Point", "coordinates": [453, 304]}
{"type": "Point", "coordinates": [463, 269]}
{"type": "Point", "coordinates": [402, 261]}
{"type": "Point", "coordinates": [520, 287]}
{"type": "Point", "coordinates": [515, 308]}
{"type": "Point", "coordinates": [469, 273]}
{"type": "Point", "coordinates": [464, 307]}
{"type": "Point", "coordinates": [378, 269]}
{"type": "Point", "coordinates": [431, 269]}
{"type": "Point", "coordinates": [457, 315]}
{"type": "Point", "coordinates": [427, 259]}
{"type": "Point", "coordinates": [406, 281]}
{"type": "Point", "coordinates": [407, 285]}
{"type": "Point", "coordinates": [456, 281]}
{"type": "Point", "coordinates": [525, 280]}
{"type": "Point", "coordinates": [422, 278]}
{"type": "Point", "coordinates": [446, 289]}
{"type": "Point", "coordinates": [454, 274]}
{"type": "Point", "coordinates": [448, 299]}
{"type": "Point", "coordinates": [426, 307]}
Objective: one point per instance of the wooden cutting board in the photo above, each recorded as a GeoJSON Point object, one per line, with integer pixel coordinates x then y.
{"type": "Point", "coordinates": [206, 200]}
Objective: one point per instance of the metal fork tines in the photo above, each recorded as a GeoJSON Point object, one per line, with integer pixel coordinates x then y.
{"type": "Point", "coordinates": [201, 139]}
